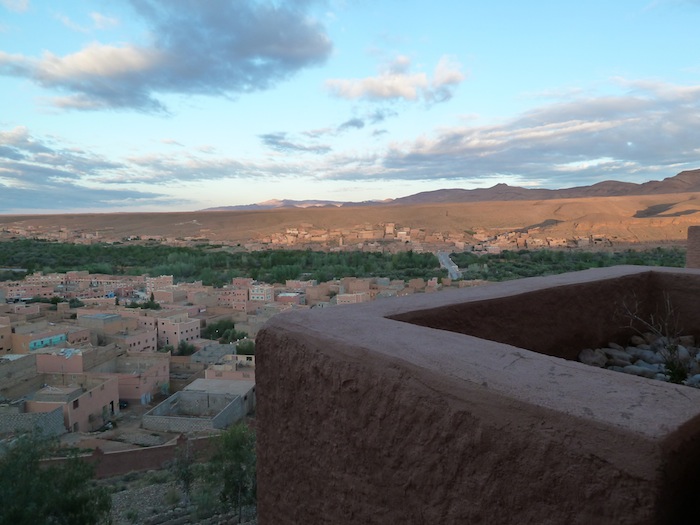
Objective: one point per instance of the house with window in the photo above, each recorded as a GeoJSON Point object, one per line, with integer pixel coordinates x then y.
{"type": "Point", "coordinates": [88, 401]}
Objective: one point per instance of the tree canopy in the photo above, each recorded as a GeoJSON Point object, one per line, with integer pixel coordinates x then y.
{"type": "Point", "coordinates": [61, 493]}
{"type": "Point", "coordinates": [210, 264]}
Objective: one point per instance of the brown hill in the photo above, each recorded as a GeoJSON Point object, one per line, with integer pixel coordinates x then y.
{"type": "Point", "coordinates": [641, 218]}
{"type": "Point", "coordinates": [684, 182]}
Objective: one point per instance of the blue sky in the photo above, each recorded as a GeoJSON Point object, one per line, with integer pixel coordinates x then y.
{"type": "Point", "coordinates": [159, 105]}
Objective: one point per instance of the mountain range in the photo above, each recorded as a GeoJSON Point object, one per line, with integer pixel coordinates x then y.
{"type": "Point", "coordinates": [685, 182]}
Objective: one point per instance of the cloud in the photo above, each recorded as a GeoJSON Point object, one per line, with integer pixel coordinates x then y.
{"type": "Point", "coordinates": [61, 197]}
{"type": "Point", "coordinates": [650, 129]}
{"type": "Point", "coordinates": [217, 48]}
{"type": "Point", "coordinates": [373, 117]}
{"type": "Point", "coordinates": [279, 142]}
{"type": "Point", "coordinates": [50, 178]}
{"type": "Point", "coordinates": [26, 160]}
{"type": "Point", "coordinates": [381, 115]}
{"type": "Point", "coordinates": [101, 21]}
{"type": "Point", "coordinates": [19, 6]}
{"type": "Point", "coordinates": [352, 123]}
{"type": "Point", "coordinates": [396, 82]}
{"type": "Point", "coordinates": [73, 26]}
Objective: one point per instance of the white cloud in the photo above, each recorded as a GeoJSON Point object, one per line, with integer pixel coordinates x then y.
{"type": "Point", "coordinates": [382, 87]}
{"type": "Point", "coordinates": [70, 24]}
{"type": "Point", "coordinates": [101, 21]}
{"type": "Point", "coordinates": [447, 73]}
{"type": "Point", "coordinates": [396, 82]}
{"type": "Point", "coordinates": [19, 6]}
{"type": "Point", "coordinates": [650, 130]}
{"type": "Point", "coordinates": [216, 47]}
{"type": "Point", "coordinates": [97, 61]}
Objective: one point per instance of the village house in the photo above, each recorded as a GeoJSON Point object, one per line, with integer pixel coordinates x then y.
{"type": "Point", "coordinates": [87, 401]}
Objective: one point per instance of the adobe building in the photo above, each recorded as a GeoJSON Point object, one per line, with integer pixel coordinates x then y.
{"type": "Point", "coordinates": [204, 405]}
{"type": "Point", "coordinates": [5, 335]}
{"type": "Point", "coordinates": [470, 407]}
{"type": "Point", "coordinates": [140, 376]}
{"type": "Point", "coordinates": [87, 401]}
{"type": "Point", "coordinates": [33, 337]}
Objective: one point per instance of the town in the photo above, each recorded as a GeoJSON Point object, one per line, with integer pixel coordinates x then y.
{"type": "Point", "coordinates": [78, 349]}
{"type": "Point", "coordinates": [387, 237]}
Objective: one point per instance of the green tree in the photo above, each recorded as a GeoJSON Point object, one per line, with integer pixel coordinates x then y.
{"type": "Point", "coordinates": [183, 468]}
{"type": "Point", "coordinates": [61, 494]}
{"type": "Point", "coordinates": [245, 347]}
{"type": "Point", "coordinates": [185, 348]}
{"type": "Point", "coordinates": [232, 467]}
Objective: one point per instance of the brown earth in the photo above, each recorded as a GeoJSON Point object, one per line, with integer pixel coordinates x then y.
{"type": "Point", "coordinates": [641, 218]}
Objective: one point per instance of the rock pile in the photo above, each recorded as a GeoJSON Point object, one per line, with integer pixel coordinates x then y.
{"type": "Point", "coordinates": [649, 355]}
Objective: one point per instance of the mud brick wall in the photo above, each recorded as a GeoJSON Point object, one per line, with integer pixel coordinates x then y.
{"type": "Point", "coordinates": [692, 258]}
{"type": "Point", "coordinates": [362, 418]}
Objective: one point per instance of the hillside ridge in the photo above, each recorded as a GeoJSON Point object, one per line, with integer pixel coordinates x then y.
{"type": "Point", "coordinates": [684, 182]}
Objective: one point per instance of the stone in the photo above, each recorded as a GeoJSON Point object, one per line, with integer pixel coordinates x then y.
{"type": "Point", "coordinates": [693, 368]}
{"type": "Point", "coordinates": [650, 337]}
{"type": "Point", "coordinates": [637, 340]}
{"type": "Point", "coordinates": [639, 371]}
{"type": "Point", "coordinates": [659, 344]}
{"type": "Point", "coordinates": [683, 354]}
{"type": "Point", "coordinates": [645, 355]}
{"type": "Point", "coordinates": [660, 357]}
{"type": "Point", "coordinates": [693, 381]}
{"type": "Point", "coordinates": [680, 354]}
{"type": "Point", "coordinates": [616, 346]}
{"type": "Point", "coordinates": [616, 354]}
{"type": "Point", "coordinates": [656, 368]}
{"type": "Point", "coordinates": [593, 357]}
{"type": "Point", "coordinates": [612, 362]}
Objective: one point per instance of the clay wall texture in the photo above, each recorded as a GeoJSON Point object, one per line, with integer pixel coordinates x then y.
{"type": "Point", "coordinates": [49, 423]}
{"type": "Point", "coordinates": [692, 257]}
{"type": "Point", "coordinates": [402, 423]}
{"type": "Point", "coordinates": [119, 462]}
{"type": "Point", "coordinates": [19, 377]}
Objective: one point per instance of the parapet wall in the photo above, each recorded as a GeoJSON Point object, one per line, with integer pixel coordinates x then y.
{"type": "Point", "coordinates": [424, 410]}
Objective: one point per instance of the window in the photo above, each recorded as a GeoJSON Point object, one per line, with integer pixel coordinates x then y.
{"type": "Point", "coordinates": [75, 403]}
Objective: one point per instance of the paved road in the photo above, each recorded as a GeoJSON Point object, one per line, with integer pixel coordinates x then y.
{"type": "Point", "coordinates": [446, 262]}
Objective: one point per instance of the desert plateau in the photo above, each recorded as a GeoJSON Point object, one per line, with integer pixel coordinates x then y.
{"type": "Point", "coordinates": [660, 215]}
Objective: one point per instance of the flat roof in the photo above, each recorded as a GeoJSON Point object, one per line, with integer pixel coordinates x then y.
{"type": "Point", "coordinates": [101, 316]}
{"type": "Point", "coordinates": [221, 386]}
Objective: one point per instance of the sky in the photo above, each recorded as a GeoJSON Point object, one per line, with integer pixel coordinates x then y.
{"type": "Point", "coordinates": [183, 105]}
